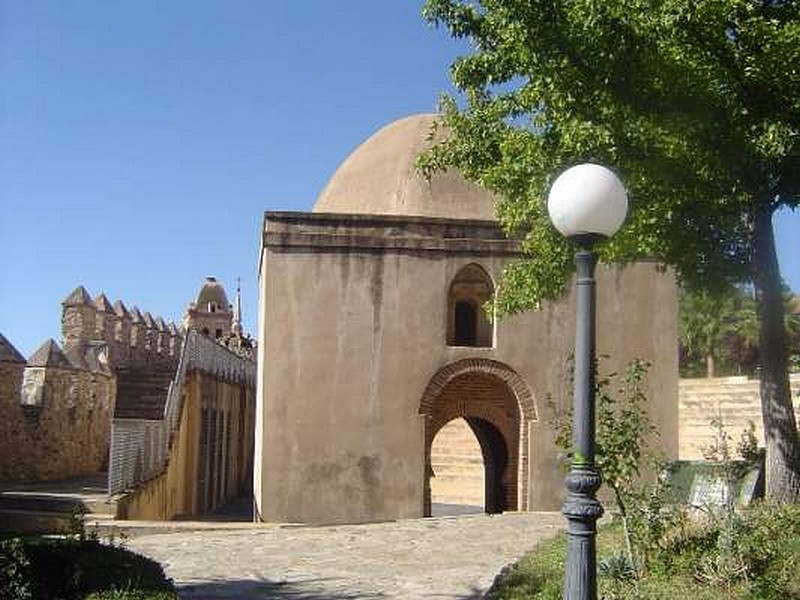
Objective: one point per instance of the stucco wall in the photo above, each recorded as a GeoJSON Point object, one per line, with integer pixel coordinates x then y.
{"type": "Point", "coordinates": [352, 330]}
{"type": "Point", "coordinates": [180, 491]}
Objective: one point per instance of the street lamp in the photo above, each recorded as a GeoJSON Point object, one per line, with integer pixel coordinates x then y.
{"type": "Point", "coordinates": [587, 203]}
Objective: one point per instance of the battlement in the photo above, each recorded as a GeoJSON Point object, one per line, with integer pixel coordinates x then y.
{"type": "Point", "coordinates": [57, 408]}
{"type": "Point", "coordinates": [133, 338]}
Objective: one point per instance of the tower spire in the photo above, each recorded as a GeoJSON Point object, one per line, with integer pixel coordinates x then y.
{"type": "Point", "coordinates": [237, 309]}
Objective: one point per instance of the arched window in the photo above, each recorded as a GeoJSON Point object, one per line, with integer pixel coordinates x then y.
{"type": "Point", "coordinates": [467, 322]}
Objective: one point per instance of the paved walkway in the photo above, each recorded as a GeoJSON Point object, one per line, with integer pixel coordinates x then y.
{"type": "Point", "coordinates": [440, 558]}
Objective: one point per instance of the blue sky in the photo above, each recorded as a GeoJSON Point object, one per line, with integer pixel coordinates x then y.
{"type": "Point", "coordinates": [140, 142]}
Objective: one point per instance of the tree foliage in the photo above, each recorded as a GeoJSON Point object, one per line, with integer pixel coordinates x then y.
{"type": "Point", "coordinates": [719, 332]}
{"type": "Point", "coordinates": [696, 103]}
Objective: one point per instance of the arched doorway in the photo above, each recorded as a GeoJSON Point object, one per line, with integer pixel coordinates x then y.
{"type": "Point", "coordinates": [497, 406]}
{"type": "Point", "coordinates": [458, 477]}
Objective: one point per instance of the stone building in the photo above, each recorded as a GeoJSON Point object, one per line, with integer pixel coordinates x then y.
{"type": "Point", "coordinates": [372, 338]}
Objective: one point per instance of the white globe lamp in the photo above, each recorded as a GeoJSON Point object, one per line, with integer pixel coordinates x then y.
{"type": "Point", "coordinates": [587, 199]}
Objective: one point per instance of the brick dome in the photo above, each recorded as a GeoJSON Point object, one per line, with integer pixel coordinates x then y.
{"type": "Point", "coordinates": [379, 177]}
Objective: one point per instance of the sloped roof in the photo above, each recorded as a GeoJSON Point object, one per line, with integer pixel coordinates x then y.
{"type": "Point", "coordinates": [49, 355]}
{"type": "Point", "coordinates": [136, 315]}
{"type": "Point", "coordinates": [102, 303]}
{"type": "Point", "coordinates": [76, 357]}
{"type": "Point", "coordinates": [78, 297]}
{"type": "Point", "coordinates": [8, 353]}
{"type": "Point", "coordinates": [120, 309]}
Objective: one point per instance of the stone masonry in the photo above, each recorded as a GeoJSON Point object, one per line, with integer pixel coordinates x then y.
{"type": "Point", "coordinates": [58, 405]}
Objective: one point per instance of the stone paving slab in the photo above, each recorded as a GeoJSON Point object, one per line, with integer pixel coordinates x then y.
{"type": "Point", "coordinates": [438, 559]}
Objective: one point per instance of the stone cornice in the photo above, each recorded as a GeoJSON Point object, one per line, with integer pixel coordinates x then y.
{"type": "Point", "coordinates": [295, 231]}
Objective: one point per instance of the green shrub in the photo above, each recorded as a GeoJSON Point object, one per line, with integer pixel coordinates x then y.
{"type": "Point", "coordinates": [755, 555]}
{"type": "Point", "coordinates": [70, 568]}
{"type": "Point", "coordinates": [15, 576]}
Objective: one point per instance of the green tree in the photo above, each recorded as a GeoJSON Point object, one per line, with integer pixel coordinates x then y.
{"type": "Point", "coordinates": [695, 102]}
{"type": "Point", "coordinates": [706, 322]}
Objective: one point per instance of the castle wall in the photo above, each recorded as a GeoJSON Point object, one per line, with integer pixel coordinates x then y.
{"type": "Point", "coordinates": [133, 340]}
{"type": "Point", "coordinates": [66, 435]}
{"type": "Point", "coordinates": [57, 421]}
{"type": "Point", "coordinates": [353, 319]}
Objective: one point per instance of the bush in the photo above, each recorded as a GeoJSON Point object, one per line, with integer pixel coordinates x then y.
{"type": "Point", "coordinates": [15, 576]}
{"type": "Point", "coordinates": [68, 568]}
{"type": "Point", "coordinates": [754, 555]}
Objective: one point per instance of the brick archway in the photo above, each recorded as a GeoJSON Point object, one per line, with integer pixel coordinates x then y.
{"type": "Point", "coordinates": [498, 406]}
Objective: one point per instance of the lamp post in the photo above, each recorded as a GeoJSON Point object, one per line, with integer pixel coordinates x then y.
{"type": "Point", "coordinates": [587, 203]}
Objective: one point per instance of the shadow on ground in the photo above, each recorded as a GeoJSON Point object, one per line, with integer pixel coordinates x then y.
{"type": "Point", "coordinates": [308, 589]}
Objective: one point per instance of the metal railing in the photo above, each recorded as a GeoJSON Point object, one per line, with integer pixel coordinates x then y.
{"type": "Point", "coordinates": [139, 448]}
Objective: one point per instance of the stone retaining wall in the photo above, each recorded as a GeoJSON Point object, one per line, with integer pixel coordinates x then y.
{"type": "Point", "coordinates": [736, 400]}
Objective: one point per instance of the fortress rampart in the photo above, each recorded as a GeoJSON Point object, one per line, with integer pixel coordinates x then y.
{"type": "Point", "coordinates": [57, 405]}
{"type": "Point", "coordinates": [134, 339]}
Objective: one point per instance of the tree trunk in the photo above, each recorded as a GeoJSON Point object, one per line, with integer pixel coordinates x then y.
{"type": "Point", "coordinates": [710, 370]}
{"type": "Point", "coordinates": [780, 426]}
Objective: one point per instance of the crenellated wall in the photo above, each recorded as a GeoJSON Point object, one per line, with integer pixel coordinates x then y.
{"type": "Point", "coordinates": [58, 405]}
{"type": "Point", "coordinates": [134, 339]}
{"type": "Point", "coordinates": [56, 414]}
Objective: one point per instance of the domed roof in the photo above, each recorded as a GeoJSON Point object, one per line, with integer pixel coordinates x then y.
{"type": "Point", "coordinates": [380, 178]}
{"type": "Point", "coordinates": [212, 291]}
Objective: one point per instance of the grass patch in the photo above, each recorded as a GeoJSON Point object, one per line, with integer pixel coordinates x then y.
{"type": "Point", "coordinates": [39, 568]}
{"type": "Point", "coordinates": [754, 555]}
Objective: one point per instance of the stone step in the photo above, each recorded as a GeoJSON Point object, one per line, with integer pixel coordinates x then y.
{"type": "Point", "coordinates": [34, 522]}
{"type": "Point", "coordinates": [456, 470]}
{"type": "Point", "coordinates": [457, 463]}
{"type": "Point", "coordinates": [54, 503]}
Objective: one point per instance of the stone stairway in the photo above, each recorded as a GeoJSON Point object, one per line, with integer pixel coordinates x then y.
{"type": "Point", "coordinates": [457, 465]}
{"type": "Point", "coordinates": [54, 506]}
{"type": "Point", "coordinates": [736, 400]}
{"type": "Point", "coordinates": [142, 393]}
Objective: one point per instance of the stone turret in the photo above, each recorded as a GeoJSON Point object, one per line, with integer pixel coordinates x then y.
{"type": "Point", "coordinates": [78, 318]}
{"type": "Point", "coordinates": [149, 332]}
{"type": "Point", "coordinates": [162, 338]}
{"type": "Point", "coordinates": [105, 319]}
{"type": "Point", "coordinates": [47, 375]}
{"type": "Point", "coordinates": [12, 366]}
{"type": "Point", "coordinates": [137, 334]}
{"type": "Point", "coordinates": [121, 349]}
{"type": "Point", "coordinates": [175, 340]}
